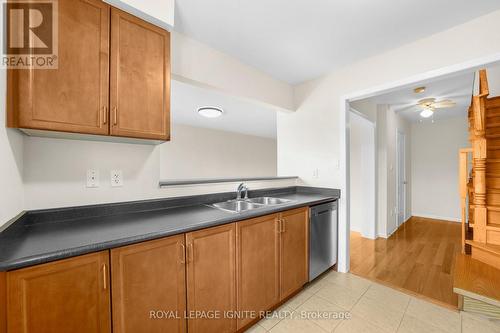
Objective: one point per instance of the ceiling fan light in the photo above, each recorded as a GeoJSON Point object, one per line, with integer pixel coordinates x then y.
{"type": "Point", "coordinates": [426, 113]}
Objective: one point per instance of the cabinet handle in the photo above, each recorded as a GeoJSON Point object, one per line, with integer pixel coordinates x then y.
{"type": "Point", "coordinates": [283, 225]}
{"type": "Point", "coordinates": [115, 115]}
{"type": "Point", "coordinates": [278, 226]}
{"type": "Point", "coordinates": [104, 277]}
{"type": "Point", "coordinates": [105, 115]}
{"type": "Point", "coordinates": [183, 253]}
{"type": "Point", "coordinates": [190, 252]}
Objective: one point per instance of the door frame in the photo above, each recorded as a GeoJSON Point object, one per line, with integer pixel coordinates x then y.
{"type": "Point", "coordinates": [408, 82]}
{"type": "Point", "coordinates": [401, 169]}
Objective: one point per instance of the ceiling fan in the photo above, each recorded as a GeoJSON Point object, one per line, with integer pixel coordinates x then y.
{"type": "Point", "coordinates": [429, 106]}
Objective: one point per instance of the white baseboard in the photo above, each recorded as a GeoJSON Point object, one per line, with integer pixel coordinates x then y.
{"type": "Point", "coordinates": [436, 217]}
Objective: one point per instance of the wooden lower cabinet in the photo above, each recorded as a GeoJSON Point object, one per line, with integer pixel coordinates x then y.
{"type": "Point", "coordinates": [233, 272]}
{"type": "Point", "coordinates": [70, 295]}
{"type": "Point", "coordinates": [149, 287]}
{"type": "Point", "coordinates": [3, 302]}
{"type": "Point", "coordinates": [258, 268]}
{"type": "Point", "coordinates": [211, 279]}
{"type": "Point", "coordinates": [294, 251]}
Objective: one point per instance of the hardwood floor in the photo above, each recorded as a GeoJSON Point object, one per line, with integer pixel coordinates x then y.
{"type": "Point", "coordinates": [418, 258]}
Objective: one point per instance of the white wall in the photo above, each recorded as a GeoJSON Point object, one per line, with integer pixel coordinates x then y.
{"type": "Point", "coordinates": [395, 123]}
{"type": "Point", "coordinates": [196, 152]}
{"type": "Point", "coordinates": [366, 107]}
{"type": "Point", "coordinates": [387, 124]}
{"type": "Point", "coordinates": [319, 119]}
{"type": "Point", "coordinates": [362, 166]}
{"type": "Point", "coordinates": [55, 169]}
{"type": "Point", "coordinates": [494, 80]}
{"type": "Point", "coordinates": [435, 167]}
{"type": "Point", "coordinates": [11, 162]}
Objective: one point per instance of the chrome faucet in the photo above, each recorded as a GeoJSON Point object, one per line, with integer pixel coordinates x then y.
{"type": "Point", "coordinates": [242, 188]}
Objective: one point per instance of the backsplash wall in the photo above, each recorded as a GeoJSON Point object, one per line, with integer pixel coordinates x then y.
{"type": "Point", "coordinates": [11, 163]}
{"type": "Point", "coordinates": [55, 173]}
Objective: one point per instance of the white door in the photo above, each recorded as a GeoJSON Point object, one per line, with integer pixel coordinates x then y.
{"type": "Point", "coordinates": [362, 175]}
{"type": "Point", "coordinates": [401, 178]}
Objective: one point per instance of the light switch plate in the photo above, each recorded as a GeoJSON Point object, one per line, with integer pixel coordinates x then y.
{"type": "Point", "coordinates": [92, 178]}
{"type": "Point", "coordinates": [116, 178]}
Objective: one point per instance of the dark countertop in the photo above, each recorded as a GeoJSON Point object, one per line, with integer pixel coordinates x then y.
{"type": "Point", "coordinates": [48, 235]}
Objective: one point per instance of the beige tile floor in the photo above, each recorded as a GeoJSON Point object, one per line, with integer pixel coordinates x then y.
{"type": "Point", "coordinates": [373, 308]}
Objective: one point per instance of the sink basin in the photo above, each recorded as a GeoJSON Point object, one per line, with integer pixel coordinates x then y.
{"type": "Point", "coordinates": [268, 201]}
{"type": "Point", "coordinates": [236, 206]}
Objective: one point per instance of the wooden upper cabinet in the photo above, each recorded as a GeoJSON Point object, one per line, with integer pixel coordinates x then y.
{"type": "Point", "coordinates": [73, 97]}
{"type": "Point", "coordinates": [146, 278]}
{"type": "Point", "coordinates": [140, 78]}
{"type": "Point", "coordinates": [211, 278]}
{"type": "Point", "coordinates": [70, 295]}
{"type": "Point", "coordinates": [258, 275]}
{"type": "Point", "coordinates": [294, 253]}
{"type": "Point", "coordinates": [113, 77]}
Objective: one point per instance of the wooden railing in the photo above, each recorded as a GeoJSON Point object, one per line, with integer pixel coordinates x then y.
{"type": "Point", "coordinates": [463, 179]}
{"type": "Point", "coordinates": [479, 155]}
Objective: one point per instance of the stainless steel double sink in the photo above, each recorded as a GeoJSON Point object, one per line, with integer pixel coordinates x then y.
{"type": "Point", "coordinates": [241, 205]}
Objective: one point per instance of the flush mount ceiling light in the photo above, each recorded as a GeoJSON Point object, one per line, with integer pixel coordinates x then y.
{"type": "Point", "coordinates": [419, 90]}
{"type": "Point", "coordinates": [426, 113]}
{"type": "Point", "coordinates": [210, 111]}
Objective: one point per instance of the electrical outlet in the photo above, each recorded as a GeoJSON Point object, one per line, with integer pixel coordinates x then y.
{"type": "Point", "coordinates": [116, 178]}
{"type": "Point", "coordinates": [92, 178]}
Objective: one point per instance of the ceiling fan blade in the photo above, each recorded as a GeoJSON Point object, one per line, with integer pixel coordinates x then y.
{"type": "Point", "coordinates": [444, 104]}
{"type": "Point", "coordinates": [426, 101]}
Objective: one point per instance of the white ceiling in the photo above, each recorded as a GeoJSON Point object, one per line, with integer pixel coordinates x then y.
{"type": "Point", "coordinates": [239, 116]}
{"type": "Point", "coordinates": [457, 88]}
{"type": "Point", "coordinates": [297, 40]}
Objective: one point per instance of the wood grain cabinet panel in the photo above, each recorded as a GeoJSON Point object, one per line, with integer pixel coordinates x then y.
{"type": "Point", "coordinates": [211, 279]}
{"type": "Point", "coordinates": [140, 78]}
{"type": "Point", "coordinates": [294, 251]}
{"type": "Point", "coordinates": [73, 97]}
{"type": "Point", "coordinates": [70, 295]}
{"type": "Point", "coordinates": [148, 278]}
{"type": "Point", "coordinates": [258, 276]}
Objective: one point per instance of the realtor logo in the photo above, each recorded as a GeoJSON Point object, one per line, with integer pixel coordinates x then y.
{"type": "Point", "coordinates": [30, 40]}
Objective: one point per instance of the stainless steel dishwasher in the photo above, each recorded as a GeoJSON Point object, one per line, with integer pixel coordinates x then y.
{"type": "Point", "coordinates": [322, 238]}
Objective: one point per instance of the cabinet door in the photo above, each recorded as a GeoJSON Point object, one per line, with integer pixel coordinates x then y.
{"type": "Point", "coordinates": [211, 275]}
{"type": "Point", "coordinates": [148, 286]}
{"type": "Point", "coordinates": [70, 295]}
{"type": "Point", "coordinates": [73, 97]}
{"type": "Point", "coordinates": [140, 78]}
{"type": "Point", "coordinates": [294, 250]}
{"type": "Point", "coordinates": [257, 262]}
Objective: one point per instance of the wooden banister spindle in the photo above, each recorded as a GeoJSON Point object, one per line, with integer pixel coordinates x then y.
{"type": "Point", "coordinates": [479, 154]}
{"type": "Point", "coordinates": [463, 180]}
